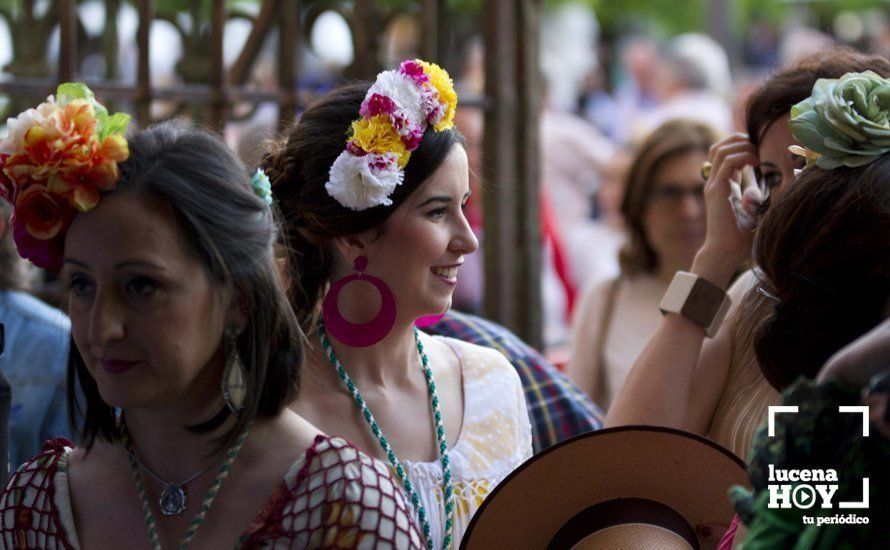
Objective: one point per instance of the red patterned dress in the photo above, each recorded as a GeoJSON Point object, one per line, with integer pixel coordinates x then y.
{"type": "Point", "coordinates": [333, 497]}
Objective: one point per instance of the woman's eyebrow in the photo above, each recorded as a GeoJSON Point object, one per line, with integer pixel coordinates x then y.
{"type": "Point", "coordinates": [437, 198]}
{"type": "Point", "coordinates": [137, 263]}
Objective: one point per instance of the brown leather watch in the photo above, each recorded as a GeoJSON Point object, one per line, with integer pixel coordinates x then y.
{"type": "Point", "coordinates": [698, 300]}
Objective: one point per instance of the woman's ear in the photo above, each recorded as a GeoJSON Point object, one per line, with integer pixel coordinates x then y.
{"type": "Point", "coordinates": [349, 247]}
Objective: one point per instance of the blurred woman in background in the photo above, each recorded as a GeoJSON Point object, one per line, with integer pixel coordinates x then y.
{"type": "Point", "coordinates": [664, 214]}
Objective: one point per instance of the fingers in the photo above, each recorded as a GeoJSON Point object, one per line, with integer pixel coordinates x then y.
{"type": "Point", "coordinates": [726, 167]}
{"type": "Point", "coordinates": [734, 139]}
{"type": "Point", "coordinates": [729, 156]}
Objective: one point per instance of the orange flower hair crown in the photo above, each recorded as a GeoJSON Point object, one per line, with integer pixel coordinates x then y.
{"type": "Point", "coordinates": [55, 161]}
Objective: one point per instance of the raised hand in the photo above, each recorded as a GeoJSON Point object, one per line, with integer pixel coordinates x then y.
{"type": "Point", "coordinates": [727, 245]}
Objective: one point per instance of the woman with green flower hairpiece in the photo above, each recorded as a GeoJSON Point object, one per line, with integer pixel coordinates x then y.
{"type": "Point", "coordinates": [185, 349]}
{"type": "Point", "coordinates": [372, 181]}
{"type": "Point", "coordinates": [719, 386]}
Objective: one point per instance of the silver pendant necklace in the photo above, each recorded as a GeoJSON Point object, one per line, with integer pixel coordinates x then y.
{"type": "Point", "coordinates": [173, 499]}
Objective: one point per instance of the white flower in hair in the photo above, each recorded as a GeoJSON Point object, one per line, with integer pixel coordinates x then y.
{"type": "Point", "coordinates": [402, 90]}
{"type": "Point", "coordinates": [361, 182]}
{"type": "Point", "coordinates": [17, 127]}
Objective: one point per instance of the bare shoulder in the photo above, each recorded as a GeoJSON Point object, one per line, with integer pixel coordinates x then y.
{"type": "Point", "coordinates": [476, 360]}
{"type": "Point", "coordinates": [283, 439]}
{"type": "Point", "coordinates": [86, 467]}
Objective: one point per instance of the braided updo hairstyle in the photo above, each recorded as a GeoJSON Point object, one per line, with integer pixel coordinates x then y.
{"type": "Point", "coordinates": [298, 168]}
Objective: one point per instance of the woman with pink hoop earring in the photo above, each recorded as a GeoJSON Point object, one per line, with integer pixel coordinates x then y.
{"type": "Point", "coordinates": [371, 182]}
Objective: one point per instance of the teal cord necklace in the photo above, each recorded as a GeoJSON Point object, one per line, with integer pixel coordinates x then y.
{"type": "Point", "coordinates": [150, 523]}
{"type": "Point", "coordinates": [448, 490]}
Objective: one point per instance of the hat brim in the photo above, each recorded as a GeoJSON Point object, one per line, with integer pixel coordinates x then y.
{"type": "Point", "coordinates": [686, 474]}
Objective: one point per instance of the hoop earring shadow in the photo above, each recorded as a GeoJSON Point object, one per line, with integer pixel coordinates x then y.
{"type": "Point", "coordinates": [359, 335]}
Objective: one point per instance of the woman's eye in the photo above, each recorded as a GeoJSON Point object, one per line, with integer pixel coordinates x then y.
{"type": "Point", "coordinates": [143, 286]}
{"type": "Point", "coordinates": [772, 179]}
{"type": "Point", "coordinates": [437, 213]}
{"type": "Point", "coordinates": [79, 286]}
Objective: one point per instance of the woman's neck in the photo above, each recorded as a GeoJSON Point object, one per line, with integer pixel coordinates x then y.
{"type": "Point", "coordinates": [163, 442]}
{"type": "Point", "coordinates": [391, 362]}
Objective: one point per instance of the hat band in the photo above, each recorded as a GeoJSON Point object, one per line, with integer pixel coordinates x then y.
{"type": "Point", "coordinates": [622, 511]}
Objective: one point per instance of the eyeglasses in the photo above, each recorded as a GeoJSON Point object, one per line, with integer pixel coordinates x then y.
{"type": "Point", "coordinates": [764, 292]}
{"type": "Point", "coordinates": [674, 194]}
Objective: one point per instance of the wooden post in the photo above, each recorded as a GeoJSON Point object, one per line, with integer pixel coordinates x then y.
{"type": "Point", "coordinates": [67, 40]}
{"type": "Point", "coordinates": [289, 41]}
{"type": "Point", "coordinates": [218, 100]}
{"type": "Point", "coordinates": [262, 25]}
{"type": "Point", "coordinates": [528, 246]}
{"type": "Point", "coordinates": [365, 27]}
{"type": "Point", "coordinates": [143, 69]}
{"type": "Point", "coordinates": [510, 149]}
{"type": "Point", "coordinates": [110, 39]}
{"type": "Point", "coordinates": [498, 169]}
{"type": "Point", "coordinates": [432, 13]}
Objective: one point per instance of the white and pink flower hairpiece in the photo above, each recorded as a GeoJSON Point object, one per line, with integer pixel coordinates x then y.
{"type": "Point", "coordinates": [397, 110]}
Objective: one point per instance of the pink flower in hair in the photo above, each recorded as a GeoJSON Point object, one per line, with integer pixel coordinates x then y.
{"type": "Point", "coordinates": [354, 149]}
{"type": "Point", "coordinates": [410, 131]}
{"type": "Point", "coordinates": [433, 110]}
{"type": "Point", "coordinates": [385, 163]}
{"type": "Point", "coordinates": [377, 104]}
{"type": "Point", "coordinates": [412, 138]}
{"type": "Point", "coordinates": [414, 70]}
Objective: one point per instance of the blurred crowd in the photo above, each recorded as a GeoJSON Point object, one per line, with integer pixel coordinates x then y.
{"type": "Point", "coordinates": [658, 155]}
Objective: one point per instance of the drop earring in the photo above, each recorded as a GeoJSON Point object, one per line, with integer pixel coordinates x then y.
{"type": "Point", "coordinates": [234, 378]}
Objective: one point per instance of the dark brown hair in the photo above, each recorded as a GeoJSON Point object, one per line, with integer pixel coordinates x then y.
{"type": "Point", "coordinates": [781, 91]}
{"type": "Point", "coordinates": [298, 168]}
{"type": "Point", "coordinates": [673, 138]}
{"type": "Point", "coordinates": [232, 232]}
{"type": "Point", "coordinates": [773, 100]}
{"type": "Point", "coordinates": [824, 251]}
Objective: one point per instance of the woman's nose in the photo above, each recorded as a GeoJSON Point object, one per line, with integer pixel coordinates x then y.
{"type": "Point", "coordinates": [692, 207]}
{"type": "Point", "coordinates": [106, 319]}
{"type": "Point", "coordinates": [464, 240]}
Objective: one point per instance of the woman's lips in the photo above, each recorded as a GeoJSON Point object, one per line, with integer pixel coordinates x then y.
{"type": "Point", "coordinates": [117, 366]}
{"type": "Point", "coordinates": [447, 274]}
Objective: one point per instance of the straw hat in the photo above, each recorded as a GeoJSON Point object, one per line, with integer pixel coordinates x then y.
{"type": "Point", "coordinates": [630, 487]}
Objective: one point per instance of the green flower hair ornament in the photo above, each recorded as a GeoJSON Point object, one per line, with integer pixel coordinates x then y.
{"type": "Point", "coordinates": [845, 122]}
{"type": "Point", "coordinates": [262, 187]}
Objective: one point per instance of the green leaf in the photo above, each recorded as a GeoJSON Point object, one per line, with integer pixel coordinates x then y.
{"type": "Point", "coordinates": [70, 91]}
{"type": "Point", "coordinates": [114, 124]}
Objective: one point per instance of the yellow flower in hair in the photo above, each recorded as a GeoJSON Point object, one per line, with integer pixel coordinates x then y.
{"type": "Point", "coordinates": [377, 135]}
{"type": "Point", "coordinates": [441, 81]}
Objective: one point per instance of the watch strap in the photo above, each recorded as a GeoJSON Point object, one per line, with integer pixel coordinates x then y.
{"type": "Point", "coordinates": [698, 300]}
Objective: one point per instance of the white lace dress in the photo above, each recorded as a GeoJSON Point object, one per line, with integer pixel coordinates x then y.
{"type": "Point", "coordinates": [495, 438]}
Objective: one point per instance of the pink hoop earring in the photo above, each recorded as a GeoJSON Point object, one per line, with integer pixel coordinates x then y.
{"type": "Point", "coordinates": [359, 335]}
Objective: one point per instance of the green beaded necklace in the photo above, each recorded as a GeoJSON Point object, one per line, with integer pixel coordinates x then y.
{"type": "Point", "coordinates": [150, 523]}
{"type": "Point", "coordinates": [448, 490]}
